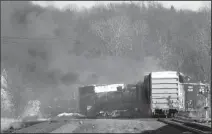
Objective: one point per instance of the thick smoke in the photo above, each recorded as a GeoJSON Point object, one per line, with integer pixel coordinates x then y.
{"type": "Point", "coordinates": [29, 50]}
{"type": "Point", "coordinates": [37, 51]}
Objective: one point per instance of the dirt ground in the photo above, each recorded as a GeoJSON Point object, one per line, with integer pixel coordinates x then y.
{"type": "Point", "coordinates": [117, 126]}
{"type": "Point", "coordinates": [142, 126]}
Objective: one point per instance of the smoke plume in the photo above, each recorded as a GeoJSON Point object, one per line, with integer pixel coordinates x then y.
{"type": "Point", "coordinates": [39, 53]}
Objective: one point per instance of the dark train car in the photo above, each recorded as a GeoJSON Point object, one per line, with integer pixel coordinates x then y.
{"type": "Point", "coordinates": [86, 99]}
{"type": "Point", "coordinates": [131, 97]}
{"type": "Point", "coordinates": [116, 100]}
{"type": "Point", "coordinates": [143, 99]}
{"type": "Point", "coordinates": [129, 93]}
{"type": "Point", "coordinates": [195, 95]}
{"type": "Point", "coordinates": [92, 100]}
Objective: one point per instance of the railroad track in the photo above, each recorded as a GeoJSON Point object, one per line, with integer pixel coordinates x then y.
{"type": "Point", "coordinates": [48, 126]}
{"type": "Point", "coordinates": [189, 126]}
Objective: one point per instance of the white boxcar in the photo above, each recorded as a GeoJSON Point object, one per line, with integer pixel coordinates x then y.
{"type": "Point", "coordinates": [166, 92]}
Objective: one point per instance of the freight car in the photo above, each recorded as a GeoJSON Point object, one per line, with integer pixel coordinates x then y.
{"type": "Point", "coordinates": [196, 97]}
{"type": "Point", "coordinates": [165, 95]}
{"type": "Point", "coordinates": [86, 98]}
{"type": "Point", "coordinates": [143, 97]}
{"type": "Point", "coordinates": [94, 98]}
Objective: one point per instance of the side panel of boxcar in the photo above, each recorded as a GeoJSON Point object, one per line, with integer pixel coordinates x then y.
{"type": "Point", "coordinates": [195, 96]}
{"type": "Point", "coordinates": [164, 86]}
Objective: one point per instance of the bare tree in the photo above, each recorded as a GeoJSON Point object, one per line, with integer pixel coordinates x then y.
{"type": "Point", "coordinates": [170, 59]}
{"type": "Point", "coordinates": [115, 33]}
{"type": "Point", "coordinates": [141, 32]}
{"type": "Point", "coordinates": [6, 96]}
{"type": "Point", "coordinates": [203, 57]}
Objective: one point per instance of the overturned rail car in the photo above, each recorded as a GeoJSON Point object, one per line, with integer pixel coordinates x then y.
{"type": "Point", "coordinates": [92, 100]}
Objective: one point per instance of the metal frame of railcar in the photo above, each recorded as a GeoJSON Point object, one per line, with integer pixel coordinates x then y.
{"type": "Point", "coordinates": [194, 96]}
{"type": "Point", "coordinates": [158, 112]}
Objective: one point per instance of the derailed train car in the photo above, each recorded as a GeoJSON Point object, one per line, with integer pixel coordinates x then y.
{"type": "Point", "coordinates": [143, 97]}
{"type": "Point", "coordinates": [86, 99]}
{"type": "Point", "coordinates": [93, 99]}
{"type": "Point", "coordinates": [160, 94]}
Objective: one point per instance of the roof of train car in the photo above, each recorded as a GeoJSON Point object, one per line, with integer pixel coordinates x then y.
{"type": "Point", "coordinates": [97, 85]}
{"type": "Point", "coordinates": [147, 73]}
{"type": "Point", "coordinates": [107, 88]}
{"type": "Point", "coordinates": [165, 74]}
{"type": "Point", "coordinates": [202, 84]}
{"type": "Point", "coordinates": [104, 87]}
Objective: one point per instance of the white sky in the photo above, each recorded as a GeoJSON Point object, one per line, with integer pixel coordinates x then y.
{"type": "Point", "coordinates": [192, 5]}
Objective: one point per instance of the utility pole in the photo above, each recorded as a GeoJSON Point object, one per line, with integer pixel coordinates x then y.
{"type": "Point", "coordinates": [204, 92]}
{"type": "Point", "coordinates": [206, 100]}
{"type": "Point", "coordinates": [206, 107]}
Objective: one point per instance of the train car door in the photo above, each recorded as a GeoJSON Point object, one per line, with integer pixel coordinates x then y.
{"type": "Point", "coordinates": [190, 97]}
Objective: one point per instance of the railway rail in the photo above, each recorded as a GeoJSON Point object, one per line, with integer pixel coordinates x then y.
{"type": "Point", "coordinates": [192, 127]}
{"type": "Point", "coordinates": [172, 123]}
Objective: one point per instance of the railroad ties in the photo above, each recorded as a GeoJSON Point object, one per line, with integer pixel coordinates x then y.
{"type": "Point", "coordinates": [188, 126]}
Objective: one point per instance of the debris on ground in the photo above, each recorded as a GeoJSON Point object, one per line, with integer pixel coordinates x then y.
{"type": "Point", "coordinates": [70, 114]}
